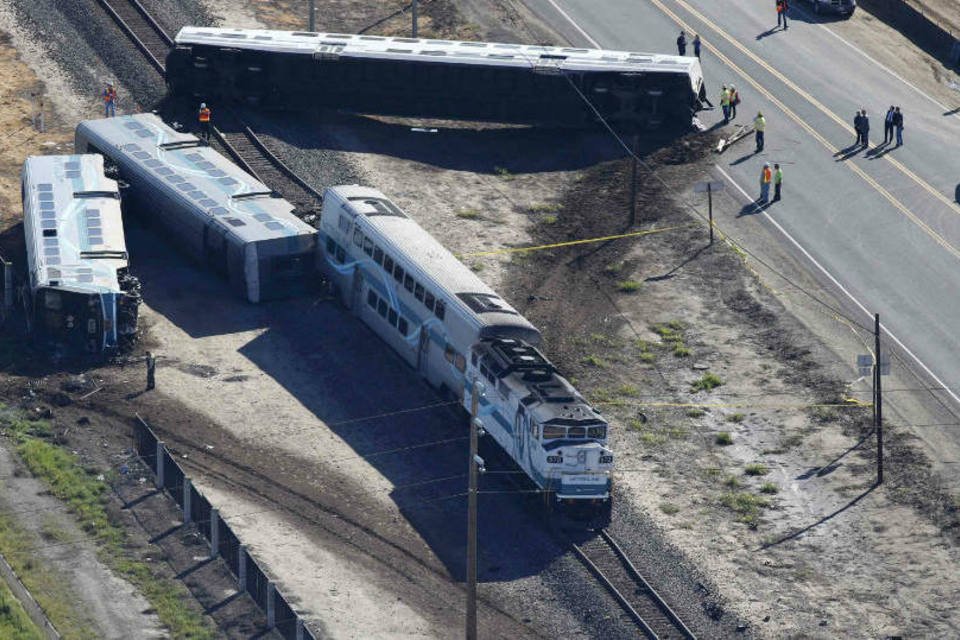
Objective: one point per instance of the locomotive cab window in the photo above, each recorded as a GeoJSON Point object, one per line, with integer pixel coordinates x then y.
{"type": "Point", "coordinates": [600, 433]}
{"type": "Point", "coordinates": [552, 432]}
{"type": "Point", "coordinates": [576, 432]}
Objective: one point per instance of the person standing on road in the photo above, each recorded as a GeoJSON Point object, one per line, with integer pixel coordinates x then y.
{"type": "Point", "coordinates": [696, 45]}
{"type": "Point", "coordinates": [204, 118]}
{"type": "Point", "coordinates": [734, 101]}
{"type": "Point", "coordinates": [777, 181]}
{"type": "Point", "coordinates": [759, 126]}
{"type": "Point", "coordinates": [109, 101]}
{"type": "Point", "coordinates": [865, 128]}
{"type": "Point", "coordinates": [725, 103]}
{"type": "Point", "coordinates": [898, 126]}
{"type": "Point", "coordinates": [888, 126]}
{"type": "Point", "coordinates": [682, 44]}
{"type": "Point", "coordinates": [782, 13]}
{"type": "Point", "coordinates": [858, 127]}
{"type": "Point", "coordinates": [151, 361]}
{"type": "Point", "coordinates": [765, 177]}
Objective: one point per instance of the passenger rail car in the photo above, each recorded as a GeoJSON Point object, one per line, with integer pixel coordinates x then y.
{"type": "Point", "coordinates": [214, 210]}
{"type": "Point", "coordinates": [79, 295]}
{"type": "Point", "coordinates": [435, 78]}
{"type": "Point", "coordinates": [452, 328]}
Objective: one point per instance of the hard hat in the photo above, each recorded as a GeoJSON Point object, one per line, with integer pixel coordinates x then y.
{"type": "Point", "coordinates": [759, 114]}
{"type": "Point", "coordinates": [203, 105]}
{"type": "Point", "coordinates": [766, 164]}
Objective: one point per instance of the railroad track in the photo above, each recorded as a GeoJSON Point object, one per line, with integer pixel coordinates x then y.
{"type": "Point", "coordinates": [639, 601]}
{"type": "Point", "coordinates": [237, 138]}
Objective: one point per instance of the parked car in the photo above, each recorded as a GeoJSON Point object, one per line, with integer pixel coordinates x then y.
{"type": "Point", "coordinates": [841, 7]}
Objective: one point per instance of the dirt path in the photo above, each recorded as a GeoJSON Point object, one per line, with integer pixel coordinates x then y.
{"type": "Point", "coordinates": [104, 602]}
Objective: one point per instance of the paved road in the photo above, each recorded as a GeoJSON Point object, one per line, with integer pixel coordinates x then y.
{"type": "Point", "coordinates": [885, 224]}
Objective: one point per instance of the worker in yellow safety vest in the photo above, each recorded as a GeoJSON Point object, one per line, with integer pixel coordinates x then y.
{"type": "Point", "coordinates": [725, 103]}
{"type": "Point", "coordinates": [759, 126]}
{"type": "Point", "coordinates": [204, 117]}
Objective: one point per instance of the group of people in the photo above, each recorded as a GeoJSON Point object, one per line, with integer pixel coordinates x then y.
{"type": "Point", "coordinates": [729, 99]}
{"type": "Point", "coordinates": [892, 126]}
{"type": "Point", "coordinates": [766, 177]}
{"type": "Point", "coordinates": [682, 44]}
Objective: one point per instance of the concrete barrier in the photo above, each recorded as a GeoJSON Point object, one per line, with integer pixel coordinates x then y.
{"type": "Point", "coordinates": [31, 606]}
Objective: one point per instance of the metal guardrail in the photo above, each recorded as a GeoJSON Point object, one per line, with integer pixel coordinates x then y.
{"type": "Point", "coordinates": [170, 477]}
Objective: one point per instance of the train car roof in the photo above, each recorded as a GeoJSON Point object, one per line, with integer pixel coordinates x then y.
{"type": "Point", "coordinates": [537, 57]}
{"type": "Point", "coordinates": [431, 257]}
{"type": "Point", "coordinates": [213, 184]}
{"type": "Point", "coordinates": [76, 232]}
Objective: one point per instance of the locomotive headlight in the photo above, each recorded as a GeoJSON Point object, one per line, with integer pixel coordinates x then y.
{"type": "Point", "coordinates": [606, 459]}
{"type": "Point", "coordinates": [554, 459]}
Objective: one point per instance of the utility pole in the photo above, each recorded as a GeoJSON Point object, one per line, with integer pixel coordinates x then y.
{"type": "Point", "coordinates": [878, 398]}
{"type": "Point", "coordinates": [414, 12]}
{"type": "Point", "coordinates": [476, 464]}
{"type": "Point", "coordinates": [313, 15]}
{"type": "Point", "coordinates": [633, 181]}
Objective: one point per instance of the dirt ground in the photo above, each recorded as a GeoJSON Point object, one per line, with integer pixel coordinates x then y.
{"type": "Point", "coordinates": [270, 434]}
{"type": "Point", "coordinates": [943, 12]}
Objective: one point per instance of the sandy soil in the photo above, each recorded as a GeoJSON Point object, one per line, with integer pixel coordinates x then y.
{"type": "Point", "coordinates": [891, 49]}
{"type": "Point", "coordinates": [943, 12]}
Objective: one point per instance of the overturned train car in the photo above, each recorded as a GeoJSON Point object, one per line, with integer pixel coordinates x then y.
{"type": "Point", "coordinates": [79, 296]}
{"type": "Point", "coordinates": [214, 211]}
{"type": "Point", "coordinates": [435, 78]}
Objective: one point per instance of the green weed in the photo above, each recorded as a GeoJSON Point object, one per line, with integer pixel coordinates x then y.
{"type": "Point", "coordinates": [594, 361]}
{"type": "Point", "coordinates": [504, 173]}
{"type": "Point", "coordinates": [669, 508]}
{"type": "Point", "coordinates": [724, 439]}
{"type": "Point", "coordinates": [468, 214]}
{"type": "Point", "coordinates": [756, 469]}
{"type": "Point", "coordinates": [706, 382]}
{"type": "Point", "coordinates": [736, 418]}
{"type": "Point", "coordinates": [629, 286]}
{"type": "Point", "coordinates": [769, 487]}
{"type": "Point", "coordinates": [747, 506]}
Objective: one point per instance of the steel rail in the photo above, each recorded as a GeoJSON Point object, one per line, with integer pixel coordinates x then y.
{"type": "Point", "coordinates": [132, 34]}
{"type": "Point", "coordinates": [643, 586]}
{"type": "Point", "coordinates": [148, 22]}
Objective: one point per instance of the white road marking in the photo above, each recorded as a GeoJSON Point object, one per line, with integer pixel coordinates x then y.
{"type": "Point", "coordinates": [813, 260]}
{"type": "Point", "coordinates": [575, 25]}
{"type": "Point", "coordinates": [836, 282]}
{"type": "Point", "coordinates": [888, 70]}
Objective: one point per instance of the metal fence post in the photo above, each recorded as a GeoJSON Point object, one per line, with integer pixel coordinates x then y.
{"type": "Point", "coordinates": [161, 451]}
{"type": "Point", "coordinates": [242, 567]}
{"type": "Point", "coordinates": [214, 533]}
{"type": "Point", "coordinates": [299, 628]}
{"type": "Point", "coordinates": [186, 500]}
{"type": "Point", "coordinates": [271, 608]}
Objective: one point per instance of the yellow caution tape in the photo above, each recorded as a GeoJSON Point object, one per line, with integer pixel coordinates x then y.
{"type": "Point", "coordinates": [571, 243]}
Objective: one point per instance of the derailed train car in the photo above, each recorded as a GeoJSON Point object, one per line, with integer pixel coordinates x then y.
{"type": "Point", "coordinates": [456, 331]}
{"type": "Point", "coordinates": [80, 296]}
{"type": "Point", "coordinates": [215, 211]}
{"type": "Point", "coordinates": [436, 78]}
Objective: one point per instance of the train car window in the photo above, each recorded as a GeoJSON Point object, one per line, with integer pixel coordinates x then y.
{"type": "Point", "coordinates": [368, 246]}
{"type": "Point", "coordinates": [382, 307]}
{"type": "Point", "coordinates": [403, 326]}
{"type": "Point", "coordinates": [441, 309]}
{"type": "Point", "coordinates": [460, 363]}
{"type": "Point", "coordinates": [358, 238]}
{"type": "Point", "coordinates": [408, 282]}
{"type": "Point", "coordinates": [341, 255]}
{"type": "Point", "coordinates": [449, 354]}
{"type": "Point", "coordinates": [344, 224]}
{"type": "Point", "coordinates": [576, 432]}
{"type": "Point", "coordinates": [398, 273]}
{"type": "Point", "coordinates": [392, 317]}
{"type": "Point", "coordinates": [372, 299]}
{"type": "Point", "coordinates": [418, 291]}
{"type": "Point", "coordinates": [552, 432]}
{"type": "Point", "coordinates": [599, 433]}
{"type": "Point", "coordinates": [331, 246]}
{"type": "Point", "coordinates": [388, 264]}
{"type": "Point", "coordinates": [428, 301]}
{"type": "Point", "coordinates": [378, 255]}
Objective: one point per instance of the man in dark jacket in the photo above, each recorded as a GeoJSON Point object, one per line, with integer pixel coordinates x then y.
{"type": "Point", "coordinates": [865, 128]}
{"type": "Point", "coordinates": [888, 126]}
{"type": "Point", "coordinates": [898, 126]}
{"type": "Point", "coordinates": [682, 44]}
{"type": "Point", "coordinates": [858, 127]}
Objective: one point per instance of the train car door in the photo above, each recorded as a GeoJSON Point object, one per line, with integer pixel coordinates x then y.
{"type": "Point", "coordinates": [423, 361]}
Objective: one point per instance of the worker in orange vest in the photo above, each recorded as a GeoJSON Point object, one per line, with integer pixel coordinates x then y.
{"type": "Point", "coordinates": [204, 117]}
{"type": "Point", "coordinates": [109, 101]}
{"type": "Point", "coordinates": [766, 176]}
